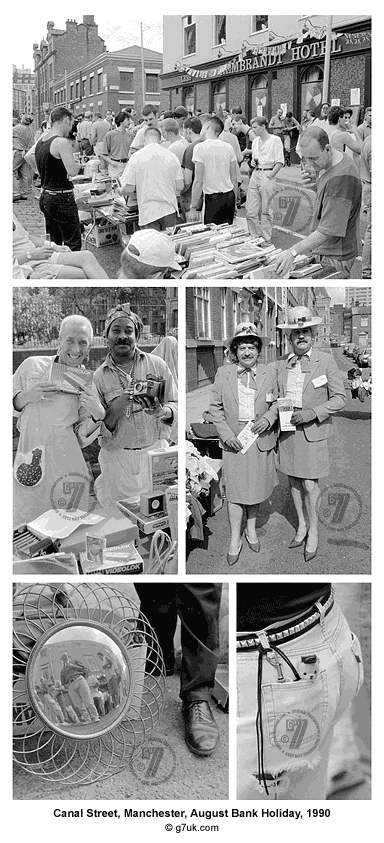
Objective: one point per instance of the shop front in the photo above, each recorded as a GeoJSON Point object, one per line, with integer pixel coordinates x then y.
{"type": "Point", "coordinates": [282, 73]}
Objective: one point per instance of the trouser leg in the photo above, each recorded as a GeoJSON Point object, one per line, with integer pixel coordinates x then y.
{"type": "Point", "coordinates": [86, 697]}
{"type": "Point", "coordinates": [267, 191]}
{"type": "Point", "coordinates": [253, 207]}
{"type": "Point", "coordinates": [158, 604]}
{"type": "Point", "coordinates": [198, 607]}
{"type": "Point", "coordinates": [366, 257]}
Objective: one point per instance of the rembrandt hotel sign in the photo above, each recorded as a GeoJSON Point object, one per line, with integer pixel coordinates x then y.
{"type": "Point", "coordinates": [272, 55]}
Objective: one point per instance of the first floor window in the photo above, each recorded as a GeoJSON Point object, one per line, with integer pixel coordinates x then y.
{"type": "Point", "coordinates": [259, 23]}
{"type": "Point", "coordinates": [203, 312]}
{"type": "Point", "coordinates": [220, 29]}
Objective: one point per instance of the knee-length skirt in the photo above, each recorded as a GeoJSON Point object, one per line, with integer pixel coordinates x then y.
{"type": "Point", "coordinates": [250, 478]}
{"type": "Point", "coordinates": [299, 458]}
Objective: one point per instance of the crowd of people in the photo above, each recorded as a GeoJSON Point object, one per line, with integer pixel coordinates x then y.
{"type": "Point", "coordinates": [173, 165]}
{"type": "Point", "coordinates": [81, 696]}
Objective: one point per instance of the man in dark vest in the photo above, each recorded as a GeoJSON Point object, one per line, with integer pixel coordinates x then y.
{"type": "Point", "coordinates": [56, 164]}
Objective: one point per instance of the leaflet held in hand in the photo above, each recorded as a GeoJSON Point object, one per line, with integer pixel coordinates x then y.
{"type": "Point", "coordinates": [285, 407]}
{"type": "Point", "coordinates": [246, 437]}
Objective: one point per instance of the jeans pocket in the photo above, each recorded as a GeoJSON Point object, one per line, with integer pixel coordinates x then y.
{"type": "Point", "coordinates": [356, 650]}
{"type": "Point", "coordinates": [296, 716]}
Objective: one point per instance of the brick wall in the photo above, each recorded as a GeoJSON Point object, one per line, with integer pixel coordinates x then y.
{"type": "Point", "coordinates": [282, 89]}
{"type": "Point", "coordinates": [202, 96]}
{"type": "Point", "coordinates": [347, 73]}
{"type": "Point", "coordinates": [76, 47]}
{"type": "Point", "coordinates": [236, 86]}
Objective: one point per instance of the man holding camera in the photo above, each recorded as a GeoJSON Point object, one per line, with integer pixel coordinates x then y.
{"type": "Point", "coordinates": [138, 417]}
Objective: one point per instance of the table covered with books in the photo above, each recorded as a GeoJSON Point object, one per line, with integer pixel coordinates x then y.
{"type": "Point", "coordinates": [228, 251]}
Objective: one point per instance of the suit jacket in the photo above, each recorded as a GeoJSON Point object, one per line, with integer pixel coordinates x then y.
{"type": "Point", "coordinates": [324, 400]}
{"type": "Point", "coordinates": [224, 406]}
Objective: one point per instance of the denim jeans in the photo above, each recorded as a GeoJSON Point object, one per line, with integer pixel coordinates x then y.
{"type": "Point", "coordinates": [61, 219]}
{"type": "Point", "coordinates": [21, 174]}
{"type": "Point", "coordinates": [297, 716]}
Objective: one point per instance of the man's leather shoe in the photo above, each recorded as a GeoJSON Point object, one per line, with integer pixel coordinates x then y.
{"type": "Point", "coordinates": [201, 732]}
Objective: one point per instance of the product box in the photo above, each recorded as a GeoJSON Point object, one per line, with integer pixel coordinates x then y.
{"type": "Point", "coordinates": [162, 466]}
{"type": "Point", "coordinates": [123, 559]}
{"type": "Point", "coordinates": [146, 523]}
{"type": "Point", "coordinates": [104, 233]}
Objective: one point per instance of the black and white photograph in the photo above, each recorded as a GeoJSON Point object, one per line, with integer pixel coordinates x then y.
{"type": "Point", "coordinates": [120, 691]}
{"type": "Point", "coordinates": [307, 649]}
{"type": "Point", "coordinates": [192, 146]}
{"type": "Point", "coordinates": [279, 392]}
{"type": "Point", "coordinates": [95, 429]}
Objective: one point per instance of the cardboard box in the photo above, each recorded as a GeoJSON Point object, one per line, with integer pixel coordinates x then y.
{"type": "Point", "coordinates": [146, 523]}
{"type": "Point", "coordinates": [162, 465]}
{"type": "Point", "coordinates": [104, 233]}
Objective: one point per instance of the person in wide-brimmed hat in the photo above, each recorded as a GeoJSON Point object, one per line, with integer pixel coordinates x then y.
{"type": "Point", "coordinates": [244, 391]}
{"type": "Point", "coordinates": [312, 380]}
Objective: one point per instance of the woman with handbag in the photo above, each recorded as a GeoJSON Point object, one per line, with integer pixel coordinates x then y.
{"type": "Point", "coordinates": [244, 392]}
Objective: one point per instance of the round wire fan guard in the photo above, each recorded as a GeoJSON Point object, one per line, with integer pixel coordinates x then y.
{"type": "Point", "coordinates": [88, 681]}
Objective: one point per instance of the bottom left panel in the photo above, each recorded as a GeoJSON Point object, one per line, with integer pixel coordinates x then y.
{"type": "Point", "coordinates": [120, 691]}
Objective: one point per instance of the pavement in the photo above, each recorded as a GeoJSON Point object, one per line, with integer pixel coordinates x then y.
{"type": "Point", "coordinates": [293, 208]}
{"type": "Point", "coordinates": [345, 515]}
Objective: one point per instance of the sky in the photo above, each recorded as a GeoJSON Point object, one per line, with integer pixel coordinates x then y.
{"type": "Point", "coordinates": [118, 30]}
{"type": "Point", "coordinates": [337, 294]}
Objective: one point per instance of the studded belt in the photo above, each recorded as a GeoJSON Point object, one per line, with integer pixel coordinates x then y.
{"type": "Point", "coordinates": [257, 640]}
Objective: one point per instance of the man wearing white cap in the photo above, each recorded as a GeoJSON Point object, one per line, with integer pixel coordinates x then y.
{"type": "Point", "coordinates": [133, 423]}
{"type": "Point", "coordinates": [311, 379]}
{"type": "Point", "coordinates": [149, 254]}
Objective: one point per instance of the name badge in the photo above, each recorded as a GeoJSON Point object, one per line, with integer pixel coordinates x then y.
{"type": "Point", "coordinates": [269, 397]}
{"type": "Point", "coordinates": [321, 381]}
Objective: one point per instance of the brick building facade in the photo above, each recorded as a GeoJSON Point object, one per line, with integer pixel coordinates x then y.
{"type": "Point", "coordinates": [60, 52]}
{"type": "Point", "coordinates": [74, 68]}
{"type": "Point", "coordinates": [23, 88]}
{"type": "Point", "coordinates": [261, 69]}
{"type": "Point", "coordinates": [213, 313]}
{"type": "Point", "coordinates": [112, 81]}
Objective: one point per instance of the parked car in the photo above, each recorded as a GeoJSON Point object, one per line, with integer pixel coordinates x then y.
{"type": "Point", "coordinates": [365, 358]}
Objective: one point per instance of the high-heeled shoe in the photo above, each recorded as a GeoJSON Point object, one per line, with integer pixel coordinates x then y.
{"type": "Point", "coordinates": [255, 546]}
{"type": "Point", "coordinates": [233, 557]}
{"type": "Point", "coordinates": [295, 543]}
{"type": "Point", "coordinates": [310, 554]}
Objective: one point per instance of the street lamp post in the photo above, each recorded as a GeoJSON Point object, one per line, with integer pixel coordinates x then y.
{"type": "Point", "coordinates": [142, 64]}
{"type": "Point", "coordinates": [327, 59]}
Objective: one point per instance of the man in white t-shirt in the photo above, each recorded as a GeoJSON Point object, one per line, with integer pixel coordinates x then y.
{"type": "Point", "coordinates": [170, 129]}
{"type": "Point", "coordinates": [156, 176]}
{"type": "Point", "coordinates": [268, 159]}
{"type": "Point", "coordinates": [215, 175]}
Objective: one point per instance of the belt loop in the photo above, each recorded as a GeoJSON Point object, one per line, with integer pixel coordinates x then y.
{"type": "Point", "coordinates": [321, 609]}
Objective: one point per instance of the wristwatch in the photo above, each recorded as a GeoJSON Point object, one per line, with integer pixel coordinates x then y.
{"type": "Point", "coordinates": [293, 252]}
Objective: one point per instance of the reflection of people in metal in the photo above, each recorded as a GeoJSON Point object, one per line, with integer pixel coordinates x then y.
{"type": "Point", "coordinates": [98, 698]}
{"type": "Point", "coordinates": [109, 671]}
{"type": "Point", "coordinates": [72, 676]}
